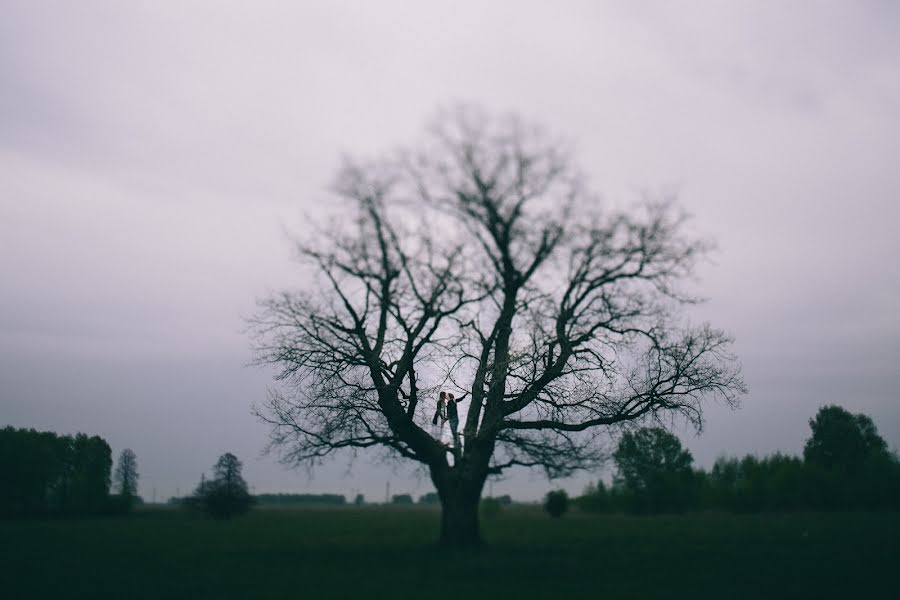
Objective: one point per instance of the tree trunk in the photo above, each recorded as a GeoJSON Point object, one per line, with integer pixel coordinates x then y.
{"type": "Point", "coordinates": [460, 496]}
{"type": "Point", "coordinates": [459, 523]}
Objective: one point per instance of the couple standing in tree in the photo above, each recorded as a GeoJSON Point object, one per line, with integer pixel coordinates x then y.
{"type": "Point", "coordinates": [446, 411]}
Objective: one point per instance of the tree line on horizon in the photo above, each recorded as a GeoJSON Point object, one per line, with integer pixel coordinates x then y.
{"type": "Point", "coordinates": [326, 499]}
{"type": "Point", "coordinates": [288, 499]}
{"type": "Point", "coordinates": [846, 465]}
{"type": "Point", "coordinates": [43, 473]}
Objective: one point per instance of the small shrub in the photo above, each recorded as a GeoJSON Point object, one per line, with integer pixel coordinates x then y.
{"type": "Point", "coordinates": [556, 503]}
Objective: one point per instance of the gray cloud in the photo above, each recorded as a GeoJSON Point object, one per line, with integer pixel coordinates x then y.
{"type": "Point", "coordinates": [151, 155]}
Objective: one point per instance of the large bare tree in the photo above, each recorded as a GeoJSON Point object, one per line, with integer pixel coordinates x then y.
{"type": "Point", "coordinates": [479, 263]}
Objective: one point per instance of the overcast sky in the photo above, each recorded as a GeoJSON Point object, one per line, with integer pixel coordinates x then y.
{"type": "Point", "coordinates": [152, 155]}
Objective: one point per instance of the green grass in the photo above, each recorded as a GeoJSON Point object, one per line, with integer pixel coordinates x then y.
{"type": "Point", "coordinates": [389, 553]}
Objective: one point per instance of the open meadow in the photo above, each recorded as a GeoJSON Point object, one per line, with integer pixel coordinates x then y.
{"type": "Point", "coordinates": [390, 553]}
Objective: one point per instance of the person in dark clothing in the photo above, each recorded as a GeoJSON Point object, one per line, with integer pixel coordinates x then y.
{"type": "Point", "coordinates": [440, 417]}
{"type": "Point", "coordinates": [453, 417]}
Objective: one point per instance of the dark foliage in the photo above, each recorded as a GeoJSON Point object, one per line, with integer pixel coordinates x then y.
{"type": "Point", "coordinates": [556, 503]}
{"type": "Point", "coordinates": [772, 483]}
{"type": "Point", "coordinates": [654, 471]}
{"type": "Point", "coordinates": [404, 499]}
{"type": "Point", "coordinates": [225, 495]}
{"type": "Point", "coordinates": [43, 473]}
{"type": "Point", "coordinates": [842, 441]}
{"type": "Point", "coordinates": [846, 465]}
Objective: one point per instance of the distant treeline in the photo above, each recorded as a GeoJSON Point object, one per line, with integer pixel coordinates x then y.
{"type": "Point", "coordinates": [43, 473]}
{"type": "Point", "coordinates": [845, 465]}
{"type": "Point", "coordinates": [340, 500]}
{"type": "Point", "coordinates": [433, 498]}
{"type": "Point", "coordinates": [300, 499]}
{"type": "Point", "coordinates": [283, 500]}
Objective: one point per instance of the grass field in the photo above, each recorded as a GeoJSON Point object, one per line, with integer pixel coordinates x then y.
{"type": "Point", "coordinates": [389, 553]}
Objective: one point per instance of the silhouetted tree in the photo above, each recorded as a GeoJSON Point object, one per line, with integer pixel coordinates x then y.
{"type": "Point", "coordinates": [556, 503]}
{"type": "Point", "coordinates": [225, 495]}
{"type": "Point", "coordinates": [847, 466]}
{"type": "Point", "coordinates": [30, 466]}
{"type": "Point", "coordinates": [42, 472]}
{"type": "Point", "coordinates": [84, 485]}
{"type": "Point", "coordinates": [401, 499]}
{"type": "Point", "coordinates": [481, 262]}
{"type": "Point", "coordinates": [655, 470]}
{"type": "Point", "coordinates": [847, 460]}
{"type": "Point", "coordinates": [842, 440]}
{"type": "Point", "coordinates": [126, 478]}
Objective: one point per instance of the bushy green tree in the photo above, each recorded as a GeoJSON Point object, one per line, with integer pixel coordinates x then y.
{"type": "Point", "coordinates": [848, 462]}
{"type": "Point", "coordinates": [655, 471]}
{"type": "Point", "coordinates": [842, 440]}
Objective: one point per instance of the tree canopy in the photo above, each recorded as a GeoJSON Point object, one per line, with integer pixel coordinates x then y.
{"type": "Point", "coordinates": [841, 439]}
{"type": "Point", "coordinates": [654, 469]}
